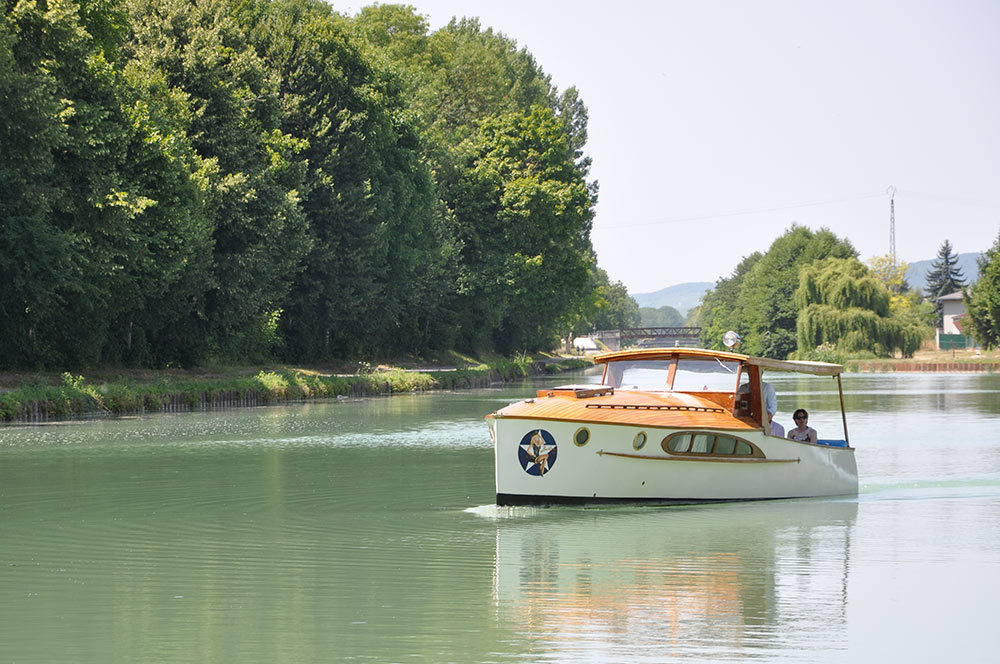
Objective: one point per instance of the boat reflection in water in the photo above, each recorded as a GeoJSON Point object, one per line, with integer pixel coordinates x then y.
{"type": "Point", "coordinates": [697, 581]}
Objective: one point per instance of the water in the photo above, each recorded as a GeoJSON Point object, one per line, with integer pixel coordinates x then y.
{"type": "Point", "coordinates": [364, 531]}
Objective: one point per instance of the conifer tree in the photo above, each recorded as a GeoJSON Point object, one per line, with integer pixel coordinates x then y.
{"type": "Point", "coordinates": [944, 278]}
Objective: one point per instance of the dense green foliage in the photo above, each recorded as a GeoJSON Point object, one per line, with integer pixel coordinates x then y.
{"type": "Point", "coordinates": [758, 300]}
{"type": "Point", "coordinates": [808, 295]}
{"type": "Point", "coordinates": [982, 300]}
{"type": "Point", "coordinates": [944, 278]}
{"type": "Point", "coordinates": [665, 316]}
{"type": "Point", "coordinates": [187, 180]}
{"type": "Point", "coordinates": [843, 305]}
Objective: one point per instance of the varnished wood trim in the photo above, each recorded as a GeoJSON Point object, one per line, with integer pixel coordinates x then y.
{"type": "Point", "coordinates": [672, 372]}
{"type": "Point", "coordinates": [751, 426]}
{"type": "Point", "coordinates": [698, 458]}
{"type": "Point", "coordinates": [629, 406]}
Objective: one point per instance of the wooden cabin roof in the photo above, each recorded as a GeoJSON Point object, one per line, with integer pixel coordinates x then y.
{"type": "Point", "coordinates": [653, 409]}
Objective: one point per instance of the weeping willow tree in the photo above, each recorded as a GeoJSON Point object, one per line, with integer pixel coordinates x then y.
{"type": "Point", "coordinates": [844, 306]}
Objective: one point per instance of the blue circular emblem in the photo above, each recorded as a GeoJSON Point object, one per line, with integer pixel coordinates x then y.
{"type": "Point", "coordinates": [537, 452]}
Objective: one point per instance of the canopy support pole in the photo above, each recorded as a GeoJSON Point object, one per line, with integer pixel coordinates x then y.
{"type": "Point", "coordinates": [843, 412]}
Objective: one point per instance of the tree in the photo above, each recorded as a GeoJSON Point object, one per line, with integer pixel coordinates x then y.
{"type": "Point", "coordinates": [891, 273]}
{"type": "Point", "coordinates": [758, 301]}
{"type": "Point", "coordinates": [665, 316]}
{"type": "Point", "coordinates": [34, 250]}
{"type": "Point", "coordinates": [768, 291]}
{"type": "Point", "coordinates": [943, 279]}
{"type": "Point", "coordinates": [522, 216]}
{"type": "Point", "coordinates": [843, 305]}
{"type": "Point", "coordinates": [374, 278]}
{"type": "Point", "coordinates": [605, 306]}
{"type": "Point", "coordinates": [517, 207]}
{"type": "Point", "coordinates": [982, 299]}
{"type": "Point", "coordinates": [253, 171]}
{"type": "Point", "coordinates": [720, 310]}
{"type": "Point", "coordinates": [904, 303]}
{"type": "Point", "coordinates": [98, 202]}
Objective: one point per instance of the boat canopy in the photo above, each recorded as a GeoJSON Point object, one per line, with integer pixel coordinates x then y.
{"type": "Point", "coordinates": [798, 366]}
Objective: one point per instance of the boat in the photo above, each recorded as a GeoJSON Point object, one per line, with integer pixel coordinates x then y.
{"type": "Point", "coordinates": [668, 426]}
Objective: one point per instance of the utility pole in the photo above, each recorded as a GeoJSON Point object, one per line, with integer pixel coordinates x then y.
{"type": "Point", "coordinates": [892, 223]}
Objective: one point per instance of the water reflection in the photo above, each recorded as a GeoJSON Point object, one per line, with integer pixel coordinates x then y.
{"type": "Point", "coordinates": [347, 532]}
{"type": "Point", "coordinates": [675, 581]}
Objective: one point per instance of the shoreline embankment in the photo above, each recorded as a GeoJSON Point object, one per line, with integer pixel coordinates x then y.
{"type": "Point", "coordinates": [904, 366]}
{"type": "Point", "coordinates": [74, 397]}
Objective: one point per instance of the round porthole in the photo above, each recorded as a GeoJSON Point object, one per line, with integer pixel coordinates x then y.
{"type": "Point", "coordinates": [582, 436]}
{"type": "Point", "coordinates": [639, 441]}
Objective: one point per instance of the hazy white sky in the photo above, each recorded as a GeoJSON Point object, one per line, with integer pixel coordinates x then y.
{"type": "Point", "coordinates": [716, 125]}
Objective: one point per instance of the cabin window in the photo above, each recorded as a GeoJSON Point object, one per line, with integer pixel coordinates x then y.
{"type": "Point", "coordinates": [639, 441]}
{"type": "Point", "coordinates": [725, 445]}
{"type": "Point", "coordinates": [581, 437]}
{"type": "Point", "coordinates": [637, 374]}
{"type": "Point", "coordinates": [705, 375]}
{"type": "Point", "coordinates": [702, 374]}
{"type": "Point", "coordinates": [702, 443]}
{"type": "Point", "coordinates": [677, 443]}
{"type": "Point", "coordinates": [689, 443]}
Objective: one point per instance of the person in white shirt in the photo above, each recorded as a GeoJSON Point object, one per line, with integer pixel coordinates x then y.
{"type": "Point", "coordinates": [771, 404]}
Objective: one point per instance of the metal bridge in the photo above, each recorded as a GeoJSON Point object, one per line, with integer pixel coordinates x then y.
{"type": "Point", "coordinates": [649, 336]}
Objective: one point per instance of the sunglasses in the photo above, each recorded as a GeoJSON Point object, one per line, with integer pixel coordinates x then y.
{"type": "Point", "coordinates": [801, 417]}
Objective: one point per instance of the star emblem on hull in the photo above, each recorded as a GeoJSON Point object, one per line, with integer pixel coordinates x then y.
{"type": "Point", "coordinates": [537, 452]}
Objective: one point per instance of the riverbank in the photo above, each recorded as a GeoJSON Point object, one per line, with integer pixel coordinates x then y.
{"type": "Point", "coordinates": [47, 397]}
{"type": "Point", "coordinates": [932, 361]}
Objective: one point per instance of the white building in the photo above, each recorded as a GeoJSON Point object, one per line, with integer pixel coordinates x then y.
{"type": "Point", "coordinates": [953, 311]}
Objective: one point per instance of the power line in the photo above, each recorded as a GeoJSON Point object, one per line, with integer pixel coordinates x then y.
{"type": "Point", "coordinates": [738, 213]}
{"type": "Point", "coordinates": [951, 199]}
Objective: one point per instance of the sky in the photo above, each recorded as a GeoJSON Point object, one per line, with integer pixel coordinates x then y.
{"type": "Point", "coordinates": [715, 125]}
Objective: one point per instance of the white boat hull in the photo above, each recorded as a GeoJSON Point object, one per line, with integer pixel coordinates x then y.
{"type": "Point", "coordinates": [609, 469]}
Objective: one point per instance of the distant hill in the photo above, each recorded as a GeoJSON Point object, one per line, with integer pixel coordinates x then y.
{"type": "Point", "coordinates": [916, 274]}
{"type": "Point", "coordinates": [682, 297]}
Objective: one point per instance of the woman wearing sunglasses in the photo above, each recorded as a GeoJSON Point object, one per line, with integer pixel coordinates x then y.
{"type": "Point", "coordinates": [802, 431]}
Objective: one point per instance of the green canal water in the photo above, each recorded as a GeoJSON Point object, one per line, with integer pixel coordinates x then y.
{"type": "Point", "coordinates": [364, 531]}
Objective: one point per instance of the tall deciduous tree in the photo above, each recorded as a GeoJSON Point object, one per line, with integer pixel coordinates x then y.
{"type": "Point", "coordinates": [372, 280]}
{"type": "Point", "coordinates": [603, 305]}
{"type": "Point", "coordinates": [841, 304]}
{"type": "Point", "coordinates": [768, 292]}
{"type": "Point", "coordinates": [522, 215]}
{"type": "Point", "coordinates": [665, 316]}
{"type": "Point", "coordinates": [34, 251]}
{"type": "Point", "coordinates": [463, 83]}
{"type": "Point", "coordinates": [720, 309]}
{"type": "Point", "coordinates": [758, 302]}
{"type": "Point", "coordinates": [982, 300]}
{"type": "Point", "coordinates": [111, 229]}
{"type": "Point", "coordinates": [253, 170]}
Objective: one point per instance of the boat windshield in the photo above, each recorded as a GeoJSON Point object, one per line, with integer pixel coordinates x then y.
{"type": "Point", "coordinates": [691, 375]}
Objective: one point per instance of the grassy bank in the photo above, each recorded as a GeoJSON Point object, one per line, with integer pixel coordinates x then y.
{"type": "Point", "coordinates": [47, 397]}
